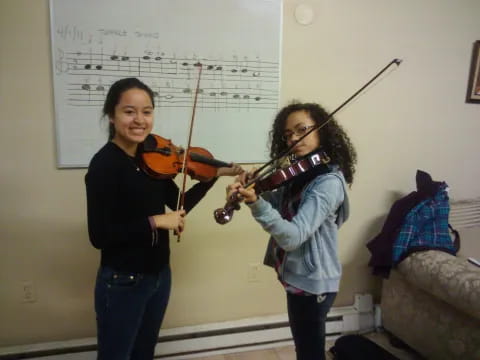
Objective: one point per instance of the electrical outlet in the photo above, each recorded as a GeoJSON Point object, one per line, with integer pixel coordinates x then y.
{"type": "Point", "coordinates": [28, 292]}
{"type": "Point", "coordinates": [253, 272]}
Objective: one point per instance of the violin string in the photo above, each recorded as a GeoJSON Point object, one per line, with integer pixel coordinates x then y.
{"type": "Point", "coordinates": [287, 151]}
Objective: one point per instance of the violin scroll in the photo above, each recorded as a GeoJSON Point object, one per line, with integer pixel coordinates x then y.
{"type": "Point", "coordinates": [223, 215]}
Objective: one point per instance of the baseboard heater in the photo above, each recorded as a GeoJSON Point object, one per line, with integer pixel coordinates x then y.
{"type": "Point", "coordinates": [208, 339]}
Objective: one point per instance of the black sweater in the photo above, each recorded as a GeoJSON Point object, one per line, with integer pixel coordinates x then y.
{"type": "Point", "coordinates": [120, 198]}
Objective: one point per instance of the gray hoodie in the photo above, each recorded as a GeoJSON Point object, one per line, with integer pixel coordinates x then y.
{"type": "Point", "coordinates": [310, 239]}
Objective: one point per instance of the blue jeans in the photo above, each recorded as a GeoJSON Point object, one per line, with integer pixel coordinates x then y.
{"type": "Point", "coordinates": [130, 309]}
{"type": "Point", "coordinates": [307, 316]}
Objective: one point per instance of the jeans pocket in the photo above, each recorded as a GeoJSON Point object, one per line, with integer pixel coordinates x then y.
{"type": "Point", "coordinates": [123, 279]}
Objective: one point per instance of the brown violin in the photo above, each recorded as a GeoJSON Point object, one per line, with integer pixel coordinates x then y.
{"type": "Point", "coordinates": [272, 181]}
{"type": "Point", "coordinates": [161, 159]}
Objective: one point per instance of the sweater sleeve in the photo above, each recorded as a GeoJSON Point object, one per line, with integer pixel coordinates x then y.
{"type": "Point", "coordinates": [107, 226]}
{"type": "Point", "coordinates": [192, 196]}
{"type": "Point", "coordinates": [323, 199]}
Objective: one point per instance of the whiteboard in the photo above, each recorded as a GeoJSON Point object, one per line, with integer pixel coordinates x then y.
{"type": "Point", "coordinates": [162, 42]}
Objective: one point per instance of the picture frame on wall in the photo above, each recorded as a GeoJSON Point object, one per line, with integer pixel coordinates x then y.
{"type": "Point", "coordinates": [473, 91]}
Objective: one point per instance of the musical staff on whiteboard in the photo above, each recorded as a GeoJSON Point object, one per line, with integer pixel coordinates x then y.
{"type": "Point", "coordinates": [93, 94]}
{"type": "Point", "coordinates": [238, 84]}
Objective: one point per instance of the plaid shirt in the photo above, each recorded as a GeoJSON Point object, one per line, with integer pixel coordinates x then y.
{"type": "Point", "coordinates": [425, 227]}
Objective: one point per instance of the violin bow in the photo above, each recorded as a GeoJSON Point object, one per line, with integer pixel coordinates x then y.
{"type": "Point", "coordinates": [268, 168]}
{"type": "Point", "coordinates": [181, 196]}
{"type": "Point", "coordinates": [327, 120]}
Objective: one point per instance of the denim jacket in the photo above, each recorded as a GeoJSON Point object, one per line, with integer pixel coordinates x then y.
{"type": "Point", "coordinates": [310, 239]}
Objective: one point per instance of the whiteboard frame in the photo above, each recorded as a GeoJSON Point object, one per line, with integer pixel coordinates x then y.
{"type": "Point", "coordinates": [241, 156]}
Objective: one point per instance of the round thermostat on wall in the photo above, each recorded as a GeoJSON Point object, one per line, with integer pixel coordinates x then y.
{"type": "Point", "coordinates": [304, 14]}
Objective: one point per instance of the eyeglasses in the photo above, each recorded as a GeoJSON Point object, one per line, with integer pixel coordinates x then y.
{"type": "Point", "coordinates": [299, 132]}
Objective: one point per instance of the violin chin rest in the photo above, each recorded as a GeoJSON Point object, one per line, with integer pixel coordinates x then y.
{"type": "Point", "coordinates": [149, 144]}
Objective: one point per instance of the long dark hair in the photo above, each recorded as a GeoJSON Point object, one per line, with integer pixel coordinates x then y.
{"type": "Point", "coordinates": [333, 139]}
{"type": "Point", "coordinates": [113, 97]}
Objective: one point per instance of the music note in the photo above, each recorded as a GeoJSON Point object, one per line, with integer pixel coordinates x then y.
{"type": "Point", "coordinates": [88, 66]}
{"type": "Point", "coordinates": [158, 59]}
{"type": "Point", "coordinates": [126, 59]}
{"type": "Point", "coordinates": [100, 66]}
{"type": "Point", "coordinates": [86, 87]}
{"type": "Point", "coordinates": [147, 58]}
{"type": "Point", "coordinates": [172, 66]}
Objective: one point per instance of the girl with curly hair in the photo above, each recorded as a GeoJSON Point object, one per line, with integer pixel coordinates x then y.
{"type": "Point", "coordinates": [303, 217]}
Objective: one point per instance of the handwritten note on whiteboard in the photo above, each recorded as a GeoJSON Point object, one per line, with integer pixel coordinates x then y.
{"type": "Point", "coordinates": [163, 43]}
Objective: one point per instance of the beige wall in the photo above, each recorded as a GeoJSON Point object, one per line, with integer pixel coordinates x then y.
{"type": "Point", "coordinates": [414, 117]}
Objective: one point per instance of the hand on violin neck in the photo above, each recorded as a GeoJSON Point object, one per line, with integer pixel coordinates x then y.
{"type": "Point", "coordinates": [245, 176]}
{"type": "Point", "coordinates": [232, 170]}
{"type": "Point", "coordinates": [237, 192]}
{"type": "Point", "coordinates": [248, 194]}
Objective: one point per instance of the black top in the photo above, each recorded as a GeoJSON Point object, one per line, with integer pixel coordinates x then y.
{"type": "Point", "coordinates": [120, 198]}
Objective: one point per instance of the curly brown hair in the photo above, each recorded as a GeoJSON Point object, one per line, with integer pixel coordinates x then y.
{"type": "Point", "coordinates": [333, 139]}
